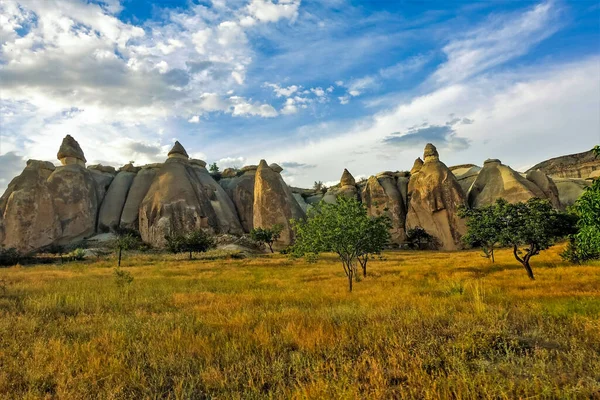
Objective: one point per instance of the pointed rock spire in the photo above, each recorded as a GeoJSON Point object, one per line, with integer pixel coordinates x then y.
{"type": "Point", "coordinates": [430, 153]}
{"type": "Point", "coordinates": [347, 179]}
{"type": "Point", "coordinates": [178, 151]}
{"type": "Point", "coordinates": [70, 152]}
{"type": "Point", "coordinates": [416, 166]}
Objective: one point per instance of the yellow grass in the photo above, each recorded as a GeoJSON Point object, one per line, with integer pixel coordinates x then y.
{"type": "Point", "coordinates": [423, 325]}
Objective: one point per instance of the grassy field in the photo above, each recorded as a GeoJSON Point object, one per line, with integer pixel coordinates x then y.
{"type": "Point", "coordinates": [423, 325]}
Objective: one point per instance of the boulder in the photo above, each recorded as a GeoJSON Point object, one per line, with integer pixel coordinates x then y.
{"type": "Point", "coordinates": [273, 203]}
{"type": "Point", "coordinates": [27, 217]}
{"type": "Point", "coordinates": [347, 186]}
{"type": "Point", "coordinates": [347, 179]}
{"type": "Point", "coordinates": [434, 199]}
{"type": "Point", "coordinates": [102, 168]}
{"type": "Point", "coordinates": [546, 185]}
{"type": "Point", "coordinates": [229, 173]}
{"type": "Point", "coordinates": [70, 152]}
{"type": "Point", "coordinates": [111, 208]}
{"type": "Point", "coordinates": [139, 187]}
{"type": "Point", "coordinates": [496, 180]}
{"type": "Point", "coordinates": [381, 196]}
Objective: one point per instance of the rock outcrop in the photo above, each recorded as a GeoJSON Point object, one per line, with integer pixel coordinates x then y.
{"type": "Point", "coordinates": [70, 152]}
{"type": "Point", "coordinates": [137, 191]}
{"type": "Point", "coordinates": [569, 190]}
{"type": "Point", "coordinates": [579, 165]}
{"type": "Point", "coordinates": [348, 185]}
{"type": "Point", "coordinates": [546, 185]}
{"type": "Point", "coordinates": [274, 203]}
{"type": "Point", "coordinates": [48, 204]}
{"type": "Point", "coordinates": [434, 199]}
{"type": "Point", "coordinates": [465, 175]}
{"type": "Point", "coordinates": [241, 191]}
{"type": "Point", "coordinates": [111, 208]}
{"type": "Point", "coordinates": [184, 197]}
{"type": "Point", "coordinates": [381, 196]}
{"type": "Point", "coordinates": [496, 180]}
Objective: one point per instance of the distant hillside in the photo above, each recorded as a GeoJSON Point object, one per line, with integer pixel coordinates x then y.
{"type": "Point", "coordinates": [578, 165]}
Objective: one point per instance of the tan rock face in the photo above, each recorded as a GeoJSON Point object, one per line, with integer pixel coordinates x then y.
{"type": "Point", "coordinates": [569, 190]}
{"type": "Point", "coordinates": [70, 152]}
{"type": "Point", "coordinates": [178, 151]}
{"type": "Point", "coordinates": [347, 179]}
{"type": "Point", "coordinates": [434, 199]}
{"type": "Point", "coordinates": [417, 165]}
{"type": "Point", "coordinates": [579, 165]}
{"type": "Point", "coordinates": [27, 217]}
{"type": "Point", "coordinates": [496, 180]}
{"type": "Point", "coordinates": [546, 185]}
{"type": "Point", "coordinates": [139, 187]}
{"type": "Point", "coordinates": [184, 197]}
{"type": "Point", "coordinates": [272, 203]}
{"type": "Point", "coordinates": [381, 196]}
{"type": "Point", "coordinates": [241, 191]}
{"type": "Point", "coordinates": [75, 201]}
{"type": "Point", "coordinates": [111, 209]}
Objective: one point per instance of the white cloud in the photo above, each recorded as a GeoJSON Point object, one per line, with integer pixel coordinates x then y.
{"type": "Point", "coordinates": [283, 91]}
{"type": "Point", "coordinates": [289, 107]}
{"type": "Point", "coordinates": [498, 40]}
{"type": "Point", "coordinates": [268, 11]}
{"type": "Point", "coordinates": [194, 120]}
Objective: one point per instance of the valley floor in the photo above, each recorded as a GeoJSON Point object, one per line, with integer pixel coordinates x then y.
{"type": "Point", "coordinates": [423, 325]}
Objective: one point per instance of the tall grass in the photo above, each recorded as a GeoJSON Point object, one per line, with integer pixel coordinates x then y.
{"type": "Point", "coordinates": [423, 325]}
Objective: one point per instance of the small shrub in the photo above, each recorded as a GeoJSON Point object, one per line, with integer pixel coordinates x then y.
{"type": "Point", "coordinates": [77, 255]}
{"type": "Point", "coordinates": [9, 257]}
{"type": "Point", "coordinates": [311, 258]}
{"type": "Point", "coordinates": [267, 236]}
{"type": "Point", "coordinates": [122, 278]}
{"type": "Point", "coordinates": [419, 239]}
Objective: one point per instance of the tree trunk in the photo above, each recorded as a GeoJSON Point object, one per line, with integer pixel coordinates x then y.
{"type": "Point", "coordinates": [190, 255]}
{"type": "Point", "coordinates": [528, 269]}
{"type": "Point", "coordinates": [119, 263]}
{"type": "Point", "coordinates": [271, 247]}
{"type": "Point", "coordinates": [492, 251]}
{"type": "Point", "coordinates": [350, 279]}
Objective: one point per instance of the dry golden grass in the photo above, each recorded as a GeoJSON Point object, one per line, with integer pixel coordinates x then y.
{"type": "Point", "coordinates": [423, 325]}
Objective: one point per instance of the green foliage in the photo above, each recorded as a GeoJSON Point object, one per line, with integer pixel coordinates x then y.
{"type": "Point", "coordinates": [197, 241]}
{"type": "Point", "coordinates": [214, 168]}
{"type": "Point", "coordinates": [585, 244]}
{"type": "Point", "coordinates": [126, 239]}
{"type": "Point", "coordinates": [122, 278]}
{"type": "Point", "coordinates": [596, 150]}
{"type": "Point", "coordinates": [531, 227]}
{"type": "Point", "coordinates": [419, 239]}
{"type": "Point", "coordinates": [343, 228]}
{"type": "Point", "coordinates": [9, 257]}
{"type": "Point", "coordinates": [77, 255]}
{"type": "Point", "coordinates": [267, 236]}
{"type": "Point", "coordinates": [484, 226]}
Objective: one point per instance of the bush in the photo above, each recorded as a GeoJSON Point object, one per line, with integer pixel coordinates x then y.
{"type": "Point", "coordinates": [267, 236]}
{"type": "Point", "coordinates": [9, 257]}
{"type": "Point", "coordinates": [419, 239]}
{"type": "Point", "coordinates": [198, 241]}
{"type": "Point", "coordinates": [77, 255]}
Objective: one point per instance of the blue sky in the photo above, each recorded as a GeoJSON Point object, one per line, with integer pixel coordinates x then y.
{"type": "Point", "coordinates": [317, 86]}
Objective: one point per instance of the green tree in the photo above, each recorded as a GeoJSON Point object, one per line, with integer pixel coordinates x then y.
{"type": "Point", "coordinates": [214, 168]}
{"type": "Point", "coordinates": [126, 239]}
{"type": "Point", "coordinates": [585, 244]}
{"type": "Point", "coordinates": [267, 236]}
{"type": "Point", "coordinates": [377, 237]}
{"type": "Point", "coordinates": [343, 228]}
{"type": "Point", "coordinates": [531, 227]}
{"type": "Point", "coordinates": [484, 227]}
{"type": "Point", "coordinates": [197, 241]}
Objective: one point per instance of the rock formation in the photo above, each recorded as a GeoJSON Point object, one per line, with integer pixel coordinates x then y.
{"type": "Point", "coordinates": [496, 180]}
{"type": "Point", "coordinates": [274, 203]}
{"type": "Point", "coordinates": [48, 204]}
{"type": "Point", "coordinates": [70, 152]}
{"type": "Point", "coordinates": [381, 196]}
{"type": "Point", "coordinates": [241, 190]}
{"type": "Point", "coordinates": [579, 165]}
{"type": "Point", "coordinates": [569, 190]}
{"type": "Point", "coordinates": [137, 191]}
{"type": "Point", "coordinates": [435, 197]}
{"type": "Point", "coordinates": [465, 175]}
{"type": "Point", "coordinates": [111, 209]}
{"type": "Point", "coordinates": [184, 197]}
{"type": "Point", "coordinates": [546, 185]}
{"type": "Point", "coordinates": [348, 185]}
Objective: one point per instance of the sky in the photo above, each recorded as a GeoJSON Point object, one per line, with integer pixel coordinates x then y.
{"type": "Point", "coordinates": [316, 86]}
